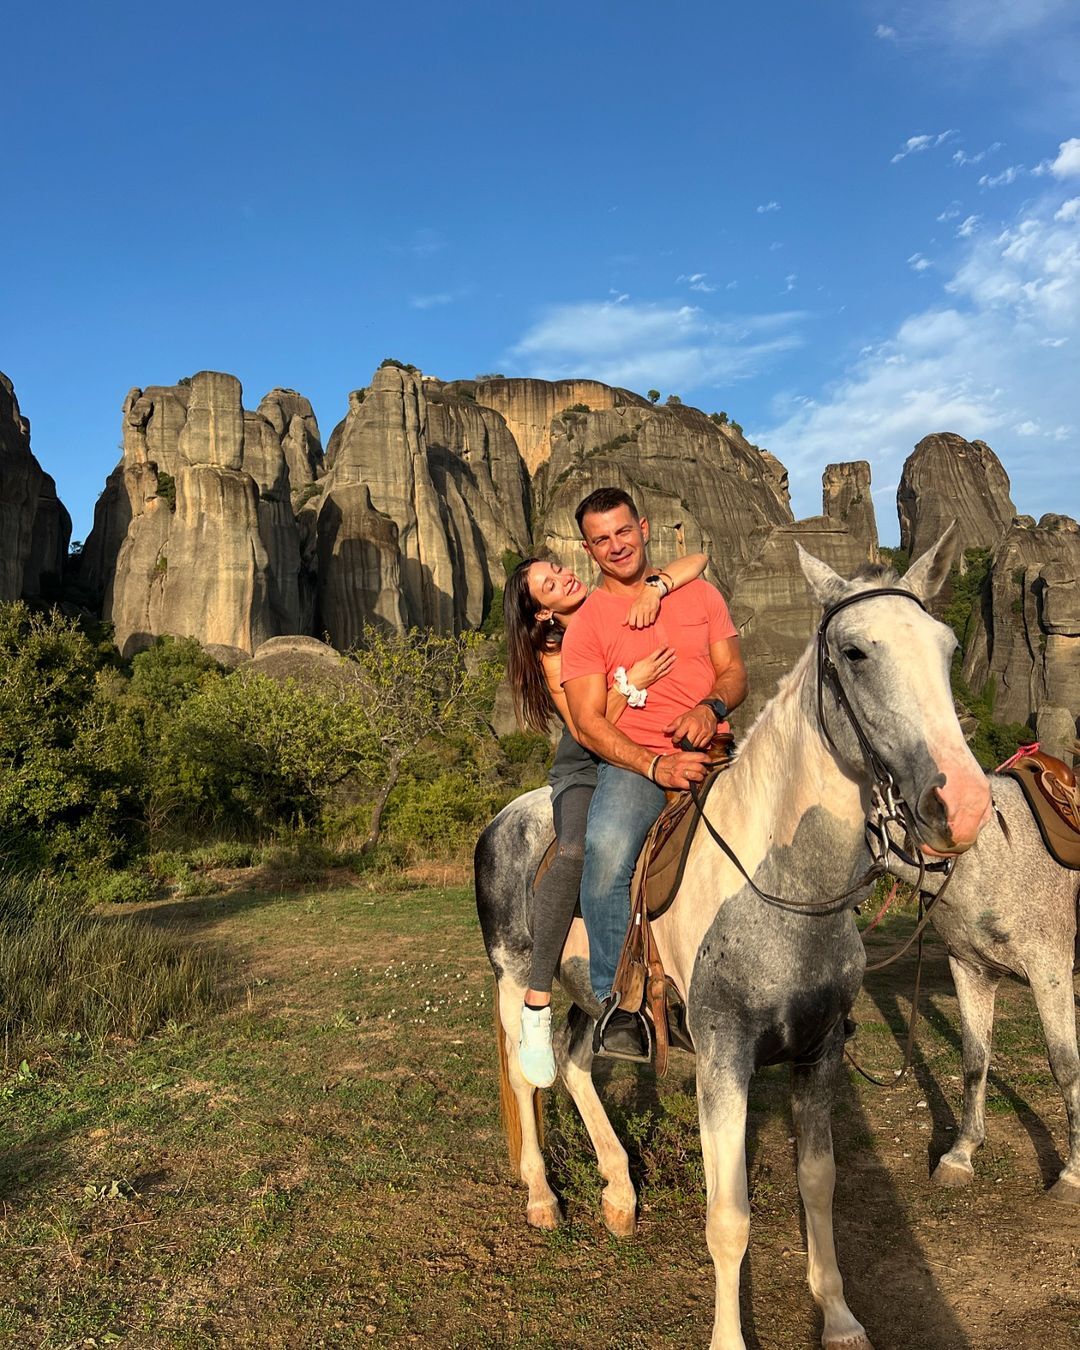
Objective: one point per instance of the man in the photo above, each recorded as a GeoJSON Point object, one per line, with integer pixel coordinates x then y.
{"type": "Point", "coordinates": [641, 755]}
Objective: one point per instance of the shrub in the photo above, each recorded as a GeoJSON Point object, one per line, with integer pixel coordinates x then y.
{"type": "Point", "coordinates": [492, 375]}
{"type": "Point", "coordinates": [720, 418]}
{"type": "Point", "coordinates": [166, 487]}
{"type": "Point", "coordinates": [525, 747]}
{"type": "Point", "coordinates": [401, 365]}
{"type": "Point", "coordinates": [577, 408]}
{"type": "Point", "coordinates": [673, 400]}
{"type": "Point", "coordinates": [131, 887]}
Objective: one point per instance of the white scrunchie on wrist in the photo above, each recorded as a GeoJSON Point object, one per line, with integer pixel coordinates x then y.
{"type": "Point", "coordinates": [634, 696]}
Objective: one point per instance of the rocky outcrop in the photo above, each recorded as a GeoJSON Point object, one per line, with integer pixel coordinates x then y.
{"type": "Point", "coordinates": [448, 476]}
{"type": "Point", "coordinates": [773, 607]}
{"type": "Point", "coordinates": [529, 406]}
{"type": "Point", "coordinates": [701, 485]}
{"type": "Point", "coordinates": [297, 431]}
{"type": "Point", "coordinates": [846, 500]}
{"type": "Point", "coordinates": [1027, 638]}
{"type": "Point", "coordinates": [195, 534]}
{"type": "Point", "coordinates": [35, 529]}
{"type": "Point", "coordinates": [947, 477]}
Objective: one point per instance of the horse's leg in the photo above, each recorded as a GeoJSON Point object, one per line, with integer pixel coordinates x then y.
{"type": "Point", "coordinates": [975, 992]}
{"type": "Point", "coordinates": [543, 1207]}
{"type": "Point", "coordinates": [1054, 999]}
{"type": "Point", "coordinates": [812, 1089]}
{"type": "Point", "coordinates": [722, 1093]}
{"type": "Point", "coordinates": [575, 1058]}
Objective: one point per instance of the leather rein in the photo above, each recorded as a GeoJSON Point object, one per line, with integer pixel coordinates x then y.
{"type": "Point", "coordinates": [887, 805]}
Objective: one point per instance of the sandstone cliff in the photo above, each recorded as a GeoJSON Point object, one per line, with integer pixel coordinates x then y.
{"type": "Point", "coordinates": [35, 529]}
{"type": "Point", "coordinates": [703, 487]}
{"type": "Point", "coordinates": [846, 500]}
{"type": "Point", "coordinates": [448, 475]}
{"type": "Point", "coordinates": [195, 533]}
{"type": "Point", "coordinates": [947, 477]}
{"type": "Point", "coordinates": [1028, 635]}
{"type": "Point", "coordinates": [529, 406]}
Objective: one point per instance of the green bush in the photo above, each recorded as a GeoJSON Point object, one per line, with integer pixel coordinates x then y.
{"type": "Point", "coordinates": [166, 488]}
{"type": "Point", "coordinates": [441, 818]}
{"type": "Point", "coordinates": [526, 747]}
{"type": "Point", "coordinates": [132, 886]}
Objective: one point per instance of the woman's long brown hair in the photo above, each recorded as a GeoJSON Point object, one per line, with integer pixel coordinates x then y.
{"type": "Point", "coordinates": [527, 639]}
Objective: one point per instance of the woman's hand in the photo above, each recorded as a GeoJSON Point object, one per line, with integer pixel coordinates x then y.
{"type": "Point", "coordinates": [645, 610]}
{"type": "Point", "coordinates": [649, 669]}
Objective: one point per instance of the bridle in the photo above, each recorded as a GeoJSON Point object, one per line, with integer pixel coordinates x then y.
{"type": "Point", "coordinates": [888, 806]}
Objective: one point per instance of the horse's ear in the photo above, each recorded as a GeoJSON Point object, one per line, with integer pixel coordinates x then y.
{"type": "Point", "coordinates": [826, 584]}
{"type": "Point", "coordinates": [926, 576]}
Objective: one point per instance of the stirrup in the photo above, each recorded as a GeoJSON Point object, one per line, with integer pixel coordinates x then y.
{"type": "Point", "coordinates": [622, 1035]}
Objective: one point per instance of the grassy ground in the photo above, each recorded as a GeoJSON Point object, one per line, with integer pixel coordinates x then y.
{"type": "Point", "coordinates": [321, 1166]}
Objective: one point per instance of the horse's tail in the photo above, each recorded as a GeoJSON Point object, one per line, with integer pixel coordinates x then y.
{"type": "Point", "coordinates": [508, 1102]}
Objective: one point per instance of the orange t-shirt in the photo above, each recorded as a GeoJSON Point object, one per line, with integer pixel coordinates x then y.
{"type": "Point", "coordinates": [692, 618]}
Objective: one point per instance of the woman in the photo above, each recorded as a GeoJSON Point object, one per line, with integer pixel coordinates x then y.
{"type": "Point", "coordinates": [540, 600]}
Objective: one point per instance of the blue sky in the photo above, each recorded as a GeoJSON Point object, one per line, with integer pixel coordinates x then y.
{"type": "Point", "coordinates": [848, 223]}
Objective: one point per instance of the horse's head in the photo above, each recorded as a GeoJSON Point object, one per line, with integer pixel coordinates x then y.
{"type": "Point", "coordinates": [891, 659]}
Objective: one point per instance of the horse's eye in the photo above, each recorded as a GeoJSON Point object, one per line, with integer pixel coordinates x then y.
{"type": "Point", "coordinates": [854, 654]}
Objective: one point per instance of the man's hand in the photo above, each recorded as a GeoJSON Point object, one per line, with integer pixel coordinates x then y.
{"type": "Point", "coordinates": [645, 610]}
{"type": "Point", "coordinates": [698, 726]}
{"type": "Point", "coordinates": [679, 770]}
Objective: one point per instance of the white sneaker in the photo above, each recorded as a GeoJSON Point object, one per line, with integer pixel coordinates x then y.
{"type": "Point", "coordinates": [535, 1055]}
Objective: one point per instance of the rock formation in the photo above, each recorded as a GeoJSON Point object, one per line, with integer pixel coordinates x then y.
{"type": "Point", "coordinates": [703, 487]}
{"type": "Point", "coordinates": [194, 533]}
{"type": "Point", "coordinates": [846, 500]}
{"type": "Point", "coordinates": [446, 473]}
{"type": "Point", "coordinates": [35, 529]}
{"type": "Point", "coordinates": [773, 607]}
{"type": "Point", "coordinates": [529, 406]}
{"type": "Point", "coordinates": [947, 477]}
{"type": "Point", "coordinates": [1028, 635]}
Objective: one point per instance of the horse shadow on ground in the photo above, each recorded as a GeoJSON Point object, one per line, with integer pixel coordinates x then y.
{"type": "Point", "coordinates": [888, 1281]}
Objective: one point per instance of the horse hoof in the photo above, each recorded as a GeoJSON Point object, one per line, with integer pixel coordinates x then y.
{"type": "Point", "coordinates": [545, 1215]}
{"type": "Point", "coordinates": [619, 1222]}
{"type": "Point", "coordinates": [952, 1174]}
{"type": "Point", "coordinates": [1065, 1192]}
{"type": "Point", "coordinates": [860, 1342]}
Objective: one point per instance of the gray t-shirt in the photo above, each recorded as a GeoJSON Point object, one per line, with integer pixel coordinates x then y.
{"type": "Point", "coordinates": [573, 766]}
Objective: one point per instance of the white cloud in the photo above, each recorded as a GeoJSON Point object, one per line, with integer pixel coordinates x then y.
{"type": "Point", "coordinates": [1067, 164]}
{"type": "Point", "coordinates": [432, 301]}
{"type": "Point", "coordinates": [884, 31]}
{"type": "Point", "coordinates": [697, 282]}
{"type": "Point", "coordinates": [638, 344]}
{"type": "Point", "coordinates": [950, 212]}
{"type": "Point", "coordinates": [1069, 210]}
{"type": "Point", "coordinates": [789, 282]}
{"type": "Point", "coordinates": [918, 263]}
{"type": "Point", "coordinates": [1002, 179]}
{"type": "Point", "coordinates": [988, 358]}
{"type": "Point", "coordinates": [967, 227]}
{"type": "Point", "coordinates": [961, 157]}
{"type": "Point", "coordinates": [766, 207]}
{"type": "Point", "coordinates": [914, 145]}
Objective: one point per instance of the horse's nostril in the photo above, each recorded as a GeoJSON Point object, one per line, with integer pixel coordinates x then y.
{"type": "Point", "coordinates": [932, 808]}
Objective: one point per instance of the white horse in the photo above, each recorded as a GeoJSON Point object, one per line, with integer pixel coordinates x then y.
{"type": "Point", "coordinates": [1010, 909]}
{"type": "Point", "coordinates": [763, 981]}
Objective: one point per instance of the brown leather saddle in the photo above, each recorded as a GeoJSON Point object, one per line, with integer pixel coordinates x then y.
{"type": "Point", "coordinates": [640, 978]}
{"type": "Point", "coordinates": [1051, 790]}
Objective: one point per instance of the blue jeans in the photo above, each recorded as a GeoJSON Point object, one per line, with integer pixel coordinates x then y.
{"type": "Point", "coordinates": [624, 807]}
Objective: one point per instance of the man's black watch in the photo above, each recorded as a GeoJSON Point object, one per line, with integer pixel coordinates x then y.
{"type": "Point", "coordinates": [718, 706]}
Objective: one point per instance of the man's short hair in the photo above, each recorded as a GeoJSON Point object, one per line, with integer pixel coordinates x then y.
{"type": "Point", "coordinates": [604, 499]}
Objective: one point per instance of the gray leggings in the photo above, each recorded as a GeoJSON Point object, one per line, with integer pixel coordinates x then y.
{"type": "Point", "coordinates": [557, 895]}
